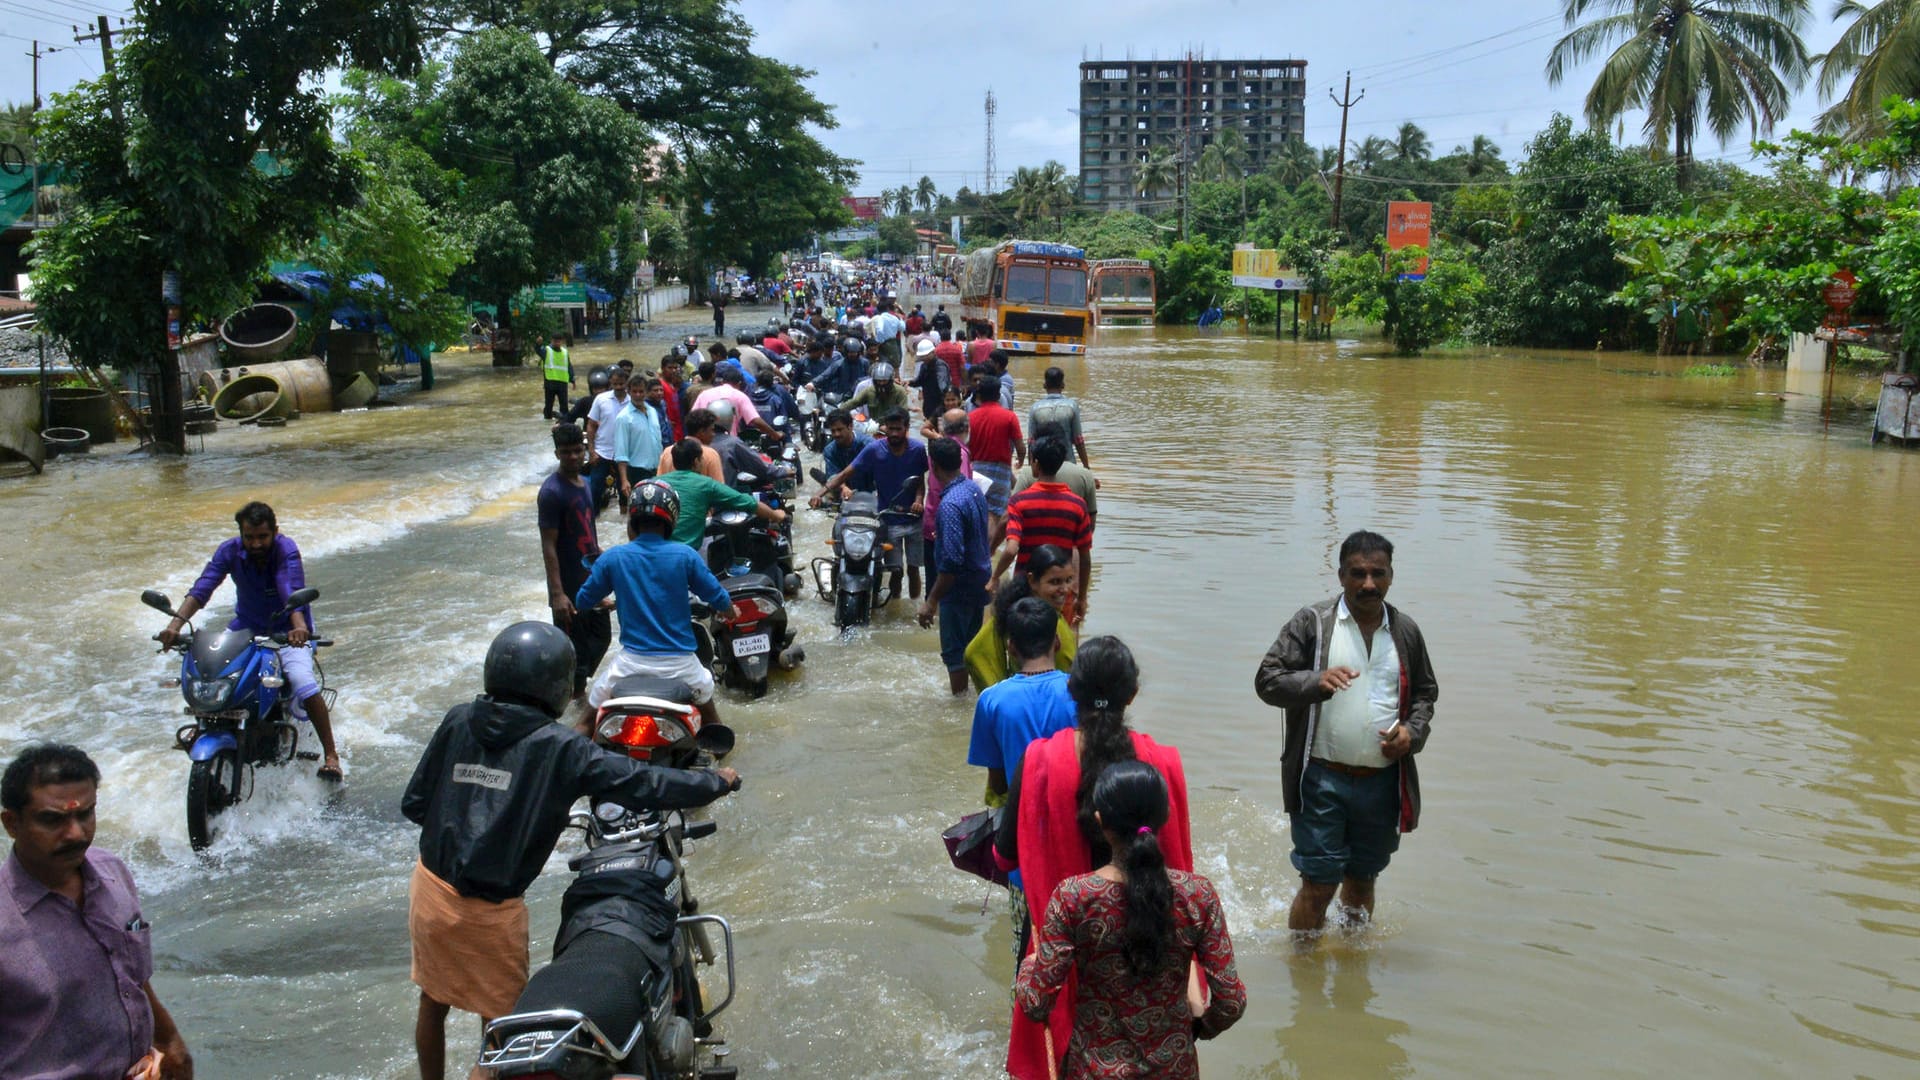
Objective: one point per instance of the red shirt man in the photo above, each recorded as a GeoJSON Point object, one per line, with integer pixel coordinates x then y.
{"type": "Point", "coordinates": [954, 355]}
{"type": "Point", "coordinates": [1048, 512]}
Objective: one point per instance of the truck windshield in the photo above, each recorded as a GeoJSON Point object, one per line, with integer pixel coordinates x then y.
{"type": "Point", "coordinates": [1067, 287]}
{"type": "Point", "coordinates": [1027, 285]}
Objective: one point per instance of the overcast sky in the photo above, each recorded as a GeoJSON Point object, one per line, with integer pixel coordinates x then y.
{"type": "Point", "coordinates": [908, 81]}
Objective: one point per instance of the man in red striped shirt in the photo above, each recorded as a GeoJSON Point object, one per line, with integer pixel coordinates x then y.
{"type": "Point", "coordinates": [1048, 513]}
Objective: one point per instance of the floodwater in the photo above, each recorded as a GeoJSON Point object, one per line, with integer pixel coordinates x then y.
{"type": "Point", "coordinates": [1672, 793]}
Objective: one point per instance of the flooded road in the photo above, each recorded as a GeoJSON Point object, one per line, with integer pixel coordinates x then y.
{"type": "Point", "coordinates": [1671, 796]}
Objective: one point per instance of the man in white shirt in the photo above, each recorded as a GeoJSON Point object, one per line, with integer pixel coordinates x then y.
{"type": "Point", "coordinates": [1354, 677]}
{"type": "Point", "coordinates": [607, 408]}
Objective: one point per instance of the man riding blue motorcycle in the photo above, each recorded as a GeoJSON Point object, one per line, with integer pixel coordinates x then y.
{"type": "Point", "coordinates": [266, 570]}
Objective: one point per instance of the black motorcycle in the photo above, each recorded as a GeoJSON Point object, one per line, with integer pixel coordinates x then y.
{"type": "Point", "coordinates": [623, 995]}
{"type": "Point", "coordinates": [754, 561]}
{"type": "Point", "coordinates": [866, 542]}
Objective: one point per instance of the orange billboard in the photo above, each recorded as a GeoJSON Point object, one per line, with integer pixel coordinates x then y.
{"type": "Point", "coordinates": [1410, 224]}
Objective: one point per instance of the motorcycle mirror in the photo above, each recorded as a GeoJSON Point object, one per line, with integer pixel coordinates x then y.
{"type": "Point", "coordinates": [749, 477]}
{"type": "Point", "coordinates": [157, 600]}
{"type": "Point", "coordinates": [302, 597]}
{"type": "Point", "coordinates": [715, 739]}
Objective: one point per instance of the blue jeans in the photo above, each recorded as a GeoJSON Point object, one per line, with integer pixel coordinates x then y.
{"type": "Point", "coordinates": [598, 480]}
{"type": "Point", "coordinates": [960, 620]}
{"type": "Point", "coordinates": [1348, 826]}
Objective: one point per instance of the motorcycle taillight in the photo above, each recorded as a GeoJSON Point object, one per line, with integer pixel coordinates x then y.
{"type": "Point", "coordinates": [640, 733]}
{"type": "Point", "coordinates": [752, 610]}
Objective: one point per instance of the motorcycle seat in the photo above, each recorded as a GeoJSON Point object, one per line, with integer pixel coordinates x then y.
{"type": "Point", "coordinates": [604, 977]}
{"type": "Point", "coordinates": [653, 686]}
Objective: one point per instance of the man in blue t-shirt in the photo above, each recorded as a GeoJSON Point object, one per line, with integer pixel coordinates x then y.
{"type": "Point", "coordinates": [650, 577]}
{"type": "Point", "coordinates": [1032, 704]}
{"type": "Point", "coordinates": [892, 467]}
{"type": "Point", "coordinates": [568, 542]}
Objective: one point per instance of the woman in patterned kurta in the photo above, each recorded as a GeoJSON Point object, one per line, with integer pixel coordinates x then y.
{"type": "Point", "coordinates": [1129, 932]}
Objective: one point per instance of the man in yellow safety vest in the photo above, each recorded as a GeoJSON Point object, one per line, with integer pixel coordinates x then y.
{"type": "Point", "coordinates": [557, 366]}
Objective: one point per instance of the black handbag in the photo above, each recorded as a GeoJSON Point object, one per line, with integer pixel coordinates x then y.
{"type": "Point", "coordinates": [970, 845]}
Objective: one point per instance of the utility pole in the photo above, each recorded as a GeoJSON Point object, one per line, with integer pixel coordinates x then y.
{"type": "Point", "coordinates": [1340, 173]}
{"type": "Point", "coordinates": [104, 35]}
{"type": "Point", "coordinates": [33, 125]}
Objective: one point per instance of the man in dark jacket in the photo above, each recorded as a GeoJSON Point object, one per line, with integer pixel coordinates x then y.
{"type": "Point", "coordinates": [492, 794]}
{"type": "Point", "coordinates": [1353, 674]}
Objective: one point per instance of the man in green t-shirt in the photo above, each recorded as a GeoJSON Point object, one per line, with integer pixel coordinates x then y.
{"type": "Point", "coordinates": [700, 493]}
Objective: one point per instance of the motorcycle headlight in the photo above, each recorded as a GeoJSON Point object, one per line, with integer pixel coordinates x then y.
{"type": "Point", "coordinates": [210, 695]}
{"type": "Point", "coordinates": [858, 544]}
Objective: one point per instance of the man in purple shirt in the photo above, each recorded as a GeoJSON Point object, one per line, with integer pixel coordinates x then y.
{"type": "Point", "coordinates": [266, 570]}
{"type": "Point", "coordinates": [75, 996]}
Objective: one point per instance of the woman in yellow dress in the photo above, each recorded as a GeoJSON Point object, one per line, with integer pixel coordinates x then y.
{"type": "Point", "coordinates": [1050, 576]}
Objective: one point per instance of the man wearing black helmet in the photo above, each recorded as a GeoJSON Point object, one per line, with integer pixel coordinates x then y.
{"type": "Point", "coordinates": [492, 795]}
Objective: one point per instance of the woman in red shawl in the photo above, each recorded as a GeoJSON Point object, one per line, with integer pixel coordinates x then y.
{"type": "Point", "coordinates": [1048, 831]}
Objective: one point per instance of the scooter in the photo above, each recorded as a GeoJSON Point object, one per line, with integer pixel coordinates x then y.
{"type": "Point", "coordinates": [744, 553]}
{"type": "Point", "coordinates": [232, 684]}
{"type": "Point", "coordinates": [623, 995]}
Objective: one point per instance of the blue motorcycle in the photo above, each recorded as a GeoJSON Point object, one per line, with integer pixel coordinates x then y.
{"type": "Point", "coordinates": [232, 684]}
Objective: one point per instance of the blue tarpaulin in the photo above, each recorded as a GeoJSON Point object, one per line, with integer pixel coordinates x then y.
{"type": "Point", "coordinates": [347, 310]}
{"type": "Point", "coordinates": [1044, 247]}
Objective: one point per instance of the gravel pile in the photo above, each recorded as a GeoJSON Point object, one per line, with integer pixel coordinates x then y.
{"type": "Point", "coordinates": [21, 349]}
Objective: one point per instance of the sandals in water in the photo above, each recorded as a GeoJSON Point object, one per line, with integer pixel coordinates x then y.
{"type": "Point", "coordinates": [331, 773]}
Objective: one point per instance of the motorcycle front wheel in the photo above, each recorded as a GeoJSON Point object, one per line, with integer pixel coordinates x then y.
{"type": "Point", "coordinates": [212, 786]}
{"type": "Point", "coordinates": [850, 610]}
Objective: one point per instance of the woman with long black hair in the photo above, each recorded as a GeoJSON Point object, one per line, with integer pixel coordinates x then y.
{"type": "Point", "coordinates": [1129, 933]}
{"type": "Point", "coordinates": [1052, 787]}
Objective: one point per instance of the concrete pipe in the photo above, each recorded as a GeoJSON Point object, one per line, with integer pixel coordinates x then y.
{"type": "Point", "coordinates": [304, 381]}
{"type": "Point", "coordinates": [252, 397]}
{"type": "Point", "coordinates": [261, 332]}
{"type": "Point", "coordinates": [357, 393]}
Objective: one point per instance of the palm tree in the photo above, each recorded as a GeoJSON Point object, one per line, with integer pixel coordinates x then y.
{"type": "Point", "coordinates": [1054, 195]}
{"type": "Point", "coordinates": [1329, 158]}
{"type": "Point", "coordinates": [1371, 154]}
{"type": "Point", "coordinates": [1225, 158]}
{"type": "Point", "coordinates": [1880, 51]}
{"type": "Point", "coordinates": [1482, 157]}
{"type": "Point", "coordinates": [1411, 143]}
{"type": "Point", "coordinates": [1295, 164]}
{"type": "Point", "coordinates": [1685, 60]}
{"type": "Point", "coordinates": [1155, 173]}
{"type": "Point", "coordinates": [925, 194]}
{"type": "Point", "coordinates": [901, 199]}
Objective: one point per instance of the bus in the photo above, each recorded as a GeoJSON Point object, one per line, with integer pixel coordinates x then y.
{"type": "Point", "coordinates": [1121, 293]}
{"type": "Point", "coordinates": [1033, 295]}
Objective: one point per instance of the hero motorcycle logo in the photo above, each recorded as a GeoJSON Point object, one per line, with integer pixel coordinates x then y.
{"type": "Point", "coordinates": [497, 779]}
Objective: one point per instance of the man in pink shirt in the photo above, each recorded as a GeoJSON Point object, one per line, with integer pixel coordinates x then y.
{"type": "Point", "coordinates": [728, 389]}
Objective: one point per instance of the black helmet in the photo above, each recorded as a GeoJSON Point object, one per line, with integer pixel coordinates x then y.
{"type": "Point", "coordinates": [598, 379]}
{"type": "Point", "coordinates": [532, 663]}
{"type": "Point", "coordinates": [657, 499]}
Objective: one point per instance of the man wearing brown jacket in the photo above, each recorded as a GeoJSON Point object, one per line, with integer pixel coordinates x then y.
{"type": "Point", "coordinates": [1353, 675]}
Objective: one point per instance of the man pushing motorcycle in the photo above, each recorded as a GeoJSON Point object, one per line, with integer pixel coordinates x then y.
{"type": "Point", "coordinates": [266, 569]}
{"type": "Point", "coordinates": [492, 795]}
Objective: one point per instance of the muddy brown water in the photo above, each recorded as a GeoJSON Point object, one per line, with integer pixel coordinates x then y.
{"type": "Point", "coordinates": [1671, 792]}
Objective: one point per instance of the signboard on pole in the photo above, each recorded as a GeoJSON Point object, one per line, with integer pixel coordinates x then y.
{"type": "Point", "coordinates": [564, 294]}
{"type": "Point", "coordinates": [864, 207]}
{"type": "Point", "coordinates": [1839, 295]}
{"type": "Point", "coordinates": [1410, 224]}
{"type": "Point", "coordinates": [1259, 268]}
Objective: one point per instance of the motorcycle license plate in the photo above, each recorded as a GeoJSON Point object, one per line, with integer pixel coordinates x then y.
{"type": "Point", "coordinates": [752, 645]}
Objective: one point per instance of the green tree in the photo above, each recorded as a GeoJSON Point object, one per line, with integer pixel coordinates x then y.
{"type": "Point", "coordinates": [616, 259]}
{"type": "Point", "coordinates": [1193, 276]}
{"type": "Point", "coordinates": [1294, 164]}
{"type": "Point", "coordinates": [1877, 57]}
{"type": "Point", "coordinates": [203, 151]}
{"type": "Point", "coordinates": [1482, 158]}
{"type": "Point", "coordinates": [1369, 154]}
{"type": "Point", "coordinates": [1410, 143]}
{"type": "Point", "coordinates": [544, 166]}
{"type": "Point", "coordinates": [389, 254]}
{"type": "Point", "coordinates": [1156, 174]}
{"type": "Point", "coordinates": [1685, 61]}
{"type": "Point", "coordinates": [925, 194]}
{"type": "Point", "coordinates": [897, 236]}
{"type": "Point", "coordinates": [1225, 158]}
